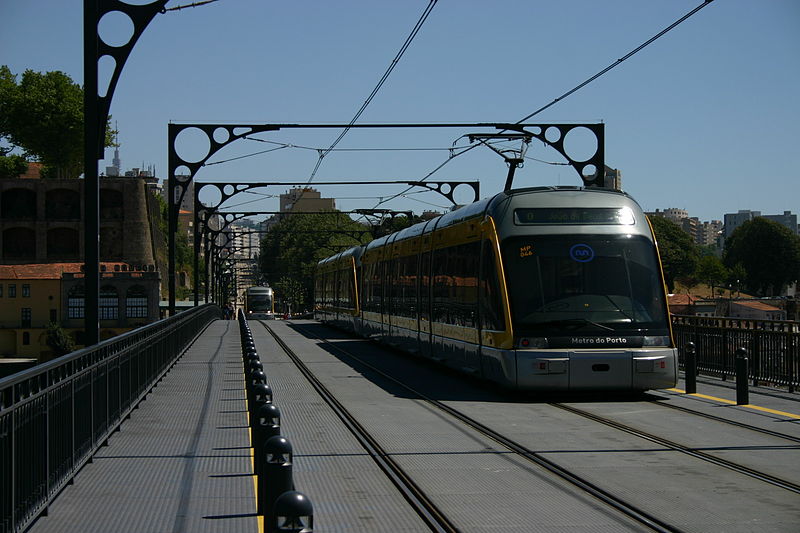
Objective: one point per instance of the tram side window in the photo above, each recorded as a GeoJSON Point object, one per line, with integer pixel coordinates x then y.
{"type": "Point", "coordinates": [465, 261]}
{"type": "Point", "coordinates": [425, 286]}
{"type": "Point", "coordinates": [344, 283]}
{"type": "Point", "coordinates": [404, 287]}
{"type": "Point", "coordinates": [373, 287]}
{"type": "Point", "coordinates": [455, 285]}
{"type": "Point", "coordinates": [441, 282]}
{"type": "Point", "coordinates": [491, 312]}
{"type": "Point", "coordinates": [330, 288]}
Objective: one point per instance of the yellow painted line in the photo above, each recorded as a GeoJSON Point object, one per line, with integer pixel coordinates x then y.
{"type": "Point", "coordinates": [748, 406]}
{"type": "Point", "coordinates": [259, 518]}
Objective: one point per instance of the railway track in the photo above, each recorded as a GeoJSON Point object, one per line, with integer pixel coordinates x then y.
{"type": "Point", "coordinates": [730, 422]}
{"type": "Point", "coordinates": [414, 494]}
{"type": "Point", "coordinates": [672, 445]}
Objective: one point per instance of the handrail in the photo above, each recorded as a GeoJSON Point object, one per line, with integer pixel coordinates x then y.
{"type": "Point", "coordinates": [54, 416]}
{"type": "Point", "coordinates": [773, 347]}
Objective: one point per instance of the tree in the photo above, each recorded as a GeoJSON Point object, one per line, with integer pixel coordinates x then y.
{"type": "Point", "coordinates": [11, 166]}
{"type": "Point", "coordinates": [712, 272]}
{"type": "Point", "coordinates": [679, 253]}
{"type": "Point", "coordinates": [43, 115]}
{"type": "Point", "coordinates": [58, 340]}
{"type": "Point", "coordinates": [294, 246]}
{"type": "Point", "coordinates": [768, 252]}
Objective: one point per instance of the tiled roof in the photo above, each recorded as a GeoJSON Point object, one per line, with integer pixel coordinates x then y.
{"type": "Point", "coordinates": [45, 270]}
{"type": "Point", "coordinates": [760, 306]}
{"type": "Point", "coordinates": [681, 299]}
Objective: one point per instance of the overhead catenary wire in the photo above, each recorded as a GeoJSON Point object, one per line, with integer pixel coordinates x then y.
{"type": "Point", "coordinates": [576, 88]}
{"type": "Point", "coordinates": [618, 61]}
{"type": "Point", "coordinates": [377, 88]}
{"type": "Point", "coordinates": [193, 4]}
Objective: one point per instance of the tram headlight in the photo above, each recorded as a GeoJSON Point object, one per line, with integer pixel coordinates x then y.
{"type": "Point", "coordinates": [656, 341]}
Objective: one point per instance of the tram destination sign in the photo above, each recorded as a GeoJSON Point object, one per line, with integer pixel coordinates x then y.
{"type": "Point", "coordinates": [574, 215]}
{"type": "Point", "coordinates": [595, 342]}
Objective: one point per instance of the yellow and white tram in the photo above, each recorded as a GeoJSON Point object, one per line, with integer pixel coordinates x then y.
{"type": "Point", "coordinates": [547, 288]}
{"type": "Point", "coordinates": [259, 303]}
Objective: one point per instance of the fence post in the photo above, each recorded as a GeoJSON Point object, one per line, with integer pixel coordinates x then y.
{"type": "Point", "coordinates": [758, 342]}
{"type": "Point", "coordinates": [690, 368]}
{"type": "Point", "coordinates": [792, 360]}
{"type": "Point", "coordinates": [742, 386]}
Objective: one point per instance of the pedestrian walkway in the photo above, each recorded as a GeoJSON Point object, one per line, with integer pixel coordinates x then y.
{"type": "Point", "coordinates": [181, 463]}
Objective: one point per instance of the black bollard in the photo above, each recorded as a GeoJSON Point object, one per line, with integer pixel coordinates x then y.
{"type": "Point", "coordinates": [277, 478]}
{"type": "Point", "coordinates": [742, 371]}
{"type": "Point", "coordinates": [265, 424]}
{"type": "Point", "coordinates": [293, 514]}
{"type": "Point", "coordinates": [249, 355]}
{"type": "Point", "coordinates": [262, 393]}
{"type": "Point", "coordinates": [254, 377]}
{"type": "Point", "coordinates": [690, 368]}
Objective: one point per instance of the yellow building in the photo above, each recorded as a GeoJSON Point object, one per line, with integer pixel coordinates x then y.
{"type": "Point", "coordinates": [35, 295]}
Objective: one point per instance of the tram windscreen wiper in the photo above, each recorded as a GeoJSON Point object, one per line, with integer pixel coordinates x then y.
{"type": "Point", "coordinates": [576, 322]}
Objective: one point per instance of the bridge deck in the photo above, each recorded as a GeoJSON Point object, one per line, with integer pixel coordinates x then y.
{"type": "Point", "coordinates": [182, 462]}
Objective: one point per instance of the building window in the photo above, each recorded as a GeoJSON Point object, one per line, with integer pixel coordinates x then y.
{"type": "Point", "coordinates": [136, 302]}
{"type": "Point", "coordinates": [12, 290]}
{"type": "Point", "coordinates": [26, 317]}
{"type": "Point", "coordinates": [109, 303]}
{"type": "Point", "coordinates": [26, 290]}
{"type": "Point", "coordinates": [75, 302]}
{"type": "Point", "coordinates": [26, 338]}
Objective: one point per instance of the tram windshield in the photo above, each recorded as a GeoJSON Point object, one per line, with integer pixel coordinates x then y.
{"type": "Point", "coordinates": [591, 285]}
{"type": "Point", "coordinates": [259, 303]}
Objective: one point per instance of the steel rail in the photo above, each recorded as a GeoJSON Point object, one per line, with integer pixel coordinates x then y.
{"type": "Point", "coordinates": [761, 476]}
{"type": "Point", "coordinates": [421, 503]}
{"type": "Point", "coordinates": [720, 419]}
{"type": "Point", "coordinates": [627, 509]}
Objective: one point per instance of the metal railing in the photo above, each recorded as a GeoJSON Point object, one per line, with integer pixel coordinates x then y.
{"type": "Point", "coordinates": [773, 347]}
{"type": "Point", "coordinates": [53, 417]}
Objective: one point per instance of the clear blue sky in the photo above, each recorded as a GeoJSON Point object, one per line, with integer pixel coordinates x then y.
{"type": "Point", "coordinates": [704, 119]}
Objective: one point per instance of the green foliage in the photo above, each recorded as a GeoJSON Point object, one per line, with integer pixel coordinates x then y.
{"type": "Point", "coordinates": [679, 254]}
{"type": "Point", "coordinates": [12, 166]}
{"type": "Point", "coordinates": [293, 292]}
{"type": "Point", "coordinates": [712, 272]}
{"type": "Point", "coordinates": [768, 253]}
{"type": "Point", "coordinates": [391, 225]}
{"type": "Point", "coordinates": [58, 340]}
{"type": "Point", "coordinates": [294, 246]}
{"type": "Point", "coordinates": [43, 115]}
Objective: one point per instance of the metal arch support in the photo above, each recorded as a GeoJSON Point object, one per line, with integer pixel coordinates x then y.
{"type": "Point", "coordinates": [95, 114]}
{"type": "Point", "coordinates": [140, 16]}
{"type": "Point", "coordinates": [448, 188]}
{"type": "Point", "coordinates": [445, 188]}
{"type": "Point", "coordinates": [591, 170]}
{"type": "Point", "coordinates": [218, 136]}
